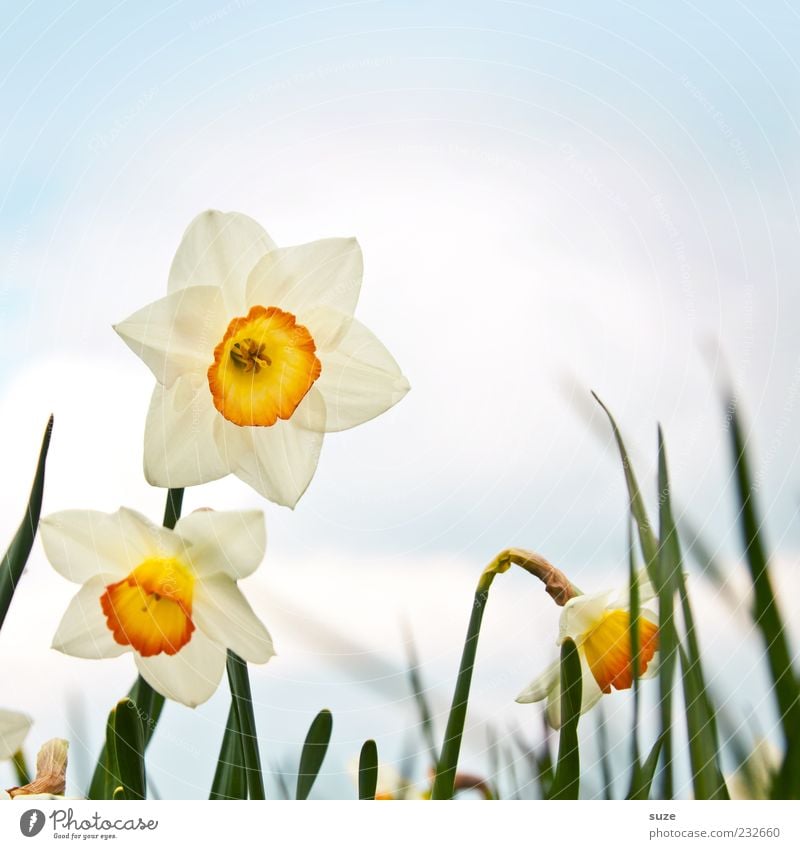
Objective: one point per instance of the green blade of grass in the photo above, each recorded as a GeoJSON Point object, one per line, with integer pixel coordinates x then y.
{"type": "Point", "coordinates": [230, 777]}
{"type": "Point", "coordinates": [128, 741]}
{"type": "Point", "coordinates": [313, 754]}
{"type": "Point", "coordinates": [767, 616]}
{"type": "Point", "coordinates": [667, 575]}
{"type": "Point", "coordinates": [16, 557]}
{"type": "Point", "coordinates": [605, 762]}
{"type": "Point", "coordinates": [644, 773]}
{"type": "Point", "coordinates": [566, 783]}
{"type": "Point", "coordinates": [239, 682]}
{"type": "Point", "coordinates": [368, 770]}
{"type": "Point", "coordinates": [647, 538]}
{"type": "Point", "coordinates": [633, 594]}
{"type": "Point", "coordinates": [706, 779]}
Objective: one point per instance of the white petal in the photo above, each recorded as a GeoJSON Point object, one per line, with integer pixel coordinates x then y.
{"type": "Point", "coordinates": [277, 461]}
{"type": "Point", "coordinates": [229, 542]}
{"type": "Point", "coordinates": [83, 631]}
{"type": "Point", "coordinates": [360, 380]}
{"type": "Point", "coordinates": [580, 614]}
{"type": "Point", "coordinates": [191, 676]}
{"type": "Point", "coordinates": [219, 249]}
{"type": "Point", "coordinates": [540, 686]}
{"type": "Point", "coordinates": [180, 448]}
{"type": "Point", "coordinates": [177, 334]}
{"type": "Point", "coordinates": [324, 273]}
{"type": "Point", "coordinates": [223, 613]}
{"type": "Point", "coordinates": [83, 543]}
{"type": "Point", "coordinates": [13, 729]}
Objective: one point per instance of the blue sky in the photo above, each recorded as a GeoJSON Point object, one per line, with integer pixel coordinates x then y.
{"type": "Point", "coordinates": [549, 198]}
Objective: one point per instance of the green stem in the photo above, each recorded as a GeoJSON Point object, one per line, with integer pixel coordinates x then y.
{"type": "Point", "coordinates": [444, 784]}
{"type": "Point", "coordinates": [557, 587]}
{"type": "Point", "coordinates": [239, 682]}
{"type": "Point", "coordinates": [172, 509]}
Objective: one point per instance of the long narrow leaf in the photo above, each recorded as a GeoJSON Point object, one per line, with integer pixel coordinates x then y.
{"type": "Point", "coordinates": [706, 779]}
{"type": "Point", "coordinates": [368, 770]}
{"type": "Point", "coordinates": [647, 538]}
{"type": "Point", "coordinates": [313, 754]}
{"type": "Point", "coordinates": [239, 682]}
{"type": "Point", "coordinates": [16, 557]}
{"type": "Point", "coordinates": [667, 574]}
{"type": "Point", "coordinates": [643, 777]}
{"type": "Point", "coordinates": [566, 784]}
{"type": "Point", "coordinates": [230, 778]}
{"type": "Point", "coordinates": [129, 750]}
{"type": "Point", "coordinates": [767, 616]}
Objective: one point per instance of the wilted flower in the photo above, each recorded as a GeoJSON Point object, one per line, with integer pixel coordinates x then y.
{"type": "Point", "coordinates": [51, 774]}
{"type": "Point", "coordinates": [14, 728]}
{"type": "Point", "coordinates": [257, 355]}
{"type": "Point", "coordinates": [599, 625]}
{"type": "Point", "coordinates": [170, 597]}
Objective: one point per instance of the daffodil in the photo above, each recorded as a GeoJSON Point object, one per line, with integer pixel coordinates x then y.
{"type": "Point", "coordinates": [599, 625]}
{"type": "Point", "coordinates": [170, 597]}
{"type": "Point", "coordinates": [14, 728]}
{"type": "Point", "coordinates": [257, 355]}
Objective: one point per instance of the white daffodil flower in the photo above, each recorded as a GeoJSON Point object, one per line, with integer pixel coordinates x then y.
{"type": "Point", "coordinates": [599, 626]}
{"type": "Point", "coordinates": [14, 728]}
{"type": "Point", "coordinates": [170, 597]}
{"type": "Point", "coordinates": [257, 355]}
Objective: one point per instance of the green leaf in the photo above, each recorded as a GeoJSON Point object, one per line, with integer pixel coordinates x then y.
{"type": "Point", "coordinates": [16, 557]}
{"type": "Point", "coordinates": [368, 770]}
{"type": "Point", "coordinates": [111, 782]}
{"type": "Point", "coordinates": [767, 616]}
{"type": "Point", "coordinates": [313, 754]}
{"type": "Point", "coordinates": [643, 774]}
{"type": "Point", "coordinates": [666, 584]}
{"type": "Point", "coordinates": [647, 538]}
{"type": "Point", "coordinates": [633, 595]}
{"type": "Point", "coordinates": [444, 782]}
{"type": "Point", "coordinates": [230, 778]}
{"type": "Point", "coordinates": [706, 779]}
{"type": "Point", "coordinates": [239, 682]}
{"type": "Point", "coordinates": [566, 784]}
{"type": "Point", "coordinates": [672, 580]}
{"type": "Point", "coordinates": [150, 704]}
{"type": "Point", "coordinates": [128, 740]}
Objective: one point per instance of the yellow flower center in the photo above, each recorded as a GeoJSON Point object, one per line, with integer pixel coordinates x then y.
{"type": "Point", "coordinates": [151, 609]}
{"type": "Point", "coordinates": [263, 367]}
{"type": "Point", "coordinates": [607, 647]}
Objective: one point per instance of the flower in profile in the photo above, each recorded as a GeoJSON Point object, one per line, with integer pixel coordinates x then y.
{"type": "Point", "coordinates": [599, 625]}
{"type": "Point", "coordinates": [170, 597]}
{"type": "Point", "coordinates": [257, 355]}
{"type": "Point", "coordinates": [14, 728]}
